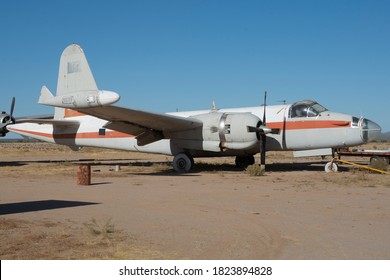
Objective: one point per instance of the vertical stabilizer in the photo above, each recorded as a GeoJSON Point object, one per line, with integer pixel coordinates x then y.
{"type": "Point", "coordinates": [74, 75]}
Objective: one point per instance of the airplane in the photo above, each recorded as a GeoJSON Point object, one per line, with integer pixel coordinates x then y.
{"type": "Point", "coordinates": [86, 116]}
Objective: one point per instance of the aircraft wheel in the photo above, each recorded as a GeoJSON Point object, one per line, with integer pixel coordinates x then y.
{"type": "Point", "coordinates": [331, 167]}
{"type": "Point", "coordinates": [182, 163]}
{"type": "Point", "coordinates": [244, 161]}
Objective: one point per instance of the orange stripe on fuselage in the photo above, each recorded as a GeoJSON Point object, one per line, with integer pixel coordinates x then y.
{"type": "Point", "coordinates": [308, 124]}
{"type": "Point", "coordinates": [79, 135]}
{"type": "Point", "coordinates": [289, 125]}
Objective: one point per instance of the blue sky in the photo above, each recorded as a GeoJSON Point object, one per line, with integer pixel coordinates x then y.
{"type": "Point", "coordinates": [167, 55]}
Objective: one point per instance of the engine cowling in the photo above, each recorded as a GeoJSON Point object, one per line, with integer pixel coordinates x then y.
{"type": "Point", "coordinates": [4, 120]}
{"type": "Point", "coordinates": [223, 131]}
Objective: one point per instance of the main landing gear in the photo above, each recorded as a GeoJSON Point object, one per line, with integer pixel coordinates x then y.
{"type": "Point", "coordinates": [182, 163]}
{"type": "Point", "coordinates": [244, 161]}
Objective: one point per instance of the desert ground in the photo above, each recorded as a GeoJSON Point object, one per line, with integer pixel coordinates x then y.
{"type": "Point", "coordinates": [138, 208]}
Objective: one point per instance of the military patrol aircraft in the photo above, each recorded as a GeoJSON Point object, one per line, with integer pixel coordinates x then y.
{"type": "Point", "coordinates": [86, 116]}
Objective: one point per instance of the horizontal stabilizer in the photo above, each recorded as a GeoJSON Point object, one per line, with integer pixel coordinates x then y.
{"type": "Point", "coordinates": [82, 99]}
{"type": "Point", "coordinates": [45, 96]}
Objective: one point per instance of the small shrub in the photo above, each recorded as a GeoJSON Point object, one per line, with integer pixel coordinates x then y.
{"type": "Point", "coordinates": [255, 170]}
{"type": "Point", "coordinates": [379, 163]}
{"type": "Point", "coordinates": [100, 229]}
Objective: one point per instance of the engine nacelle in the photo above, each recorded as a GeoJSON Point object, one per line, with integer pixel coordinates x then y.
{"type": "Point", "coordinates": [221, 131]}
{"type": "Point", "coordinates": [4, 120]}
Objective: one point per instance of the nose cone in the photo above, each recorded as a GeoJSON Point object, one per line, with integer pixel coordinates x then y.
{"type": "Point", "coordinates": [370, 131]}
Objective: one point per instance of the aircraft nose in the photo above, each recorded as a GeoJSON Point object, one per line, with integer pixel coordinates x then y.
{"type": "Point", "coordinates": [371, 131]}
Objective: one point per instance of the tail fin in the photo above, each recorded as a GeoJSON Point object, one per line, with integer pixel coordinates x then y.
{"type": "Point", "coordinates": [74, 75]}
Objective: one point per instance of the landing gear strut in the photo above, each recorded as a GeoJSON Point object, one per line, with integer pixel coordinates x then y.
{"type": "Point", "coordinates": [183, 163]}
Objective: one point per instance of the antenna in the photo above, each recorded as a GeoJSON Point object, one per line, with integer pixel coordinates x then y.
{"type": "Point", "coordinates": [213, 108]}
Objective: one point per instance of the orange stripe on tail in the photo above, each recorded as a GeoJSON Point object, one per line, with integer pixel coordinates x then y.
{"type": "Point", "coordinates": [69, 113]}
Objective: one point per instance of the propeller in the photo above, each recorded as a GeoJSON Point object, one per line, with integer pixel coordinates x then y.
{"type": "Point", "coordinates": [7, 118]}
{"type": "Point", "coordinates": [263, 137]}
{"type": "Point", "coordinates": [262, 129]}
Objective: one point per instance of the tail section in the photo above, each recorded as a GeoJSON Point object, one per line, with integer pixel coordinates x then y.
{"type": "Point", "coordinates": [76, 86]}
{"type": "Point", "coordinates": [74, 74]}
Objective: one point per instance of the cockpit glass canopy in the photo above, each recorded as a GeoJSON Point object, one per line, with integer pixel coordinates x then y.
{"type": "Point", "coordinates": [306, 109]}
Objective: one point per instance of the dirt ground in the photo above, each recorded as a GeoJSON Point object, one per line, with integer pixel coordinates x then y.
{"type": "Point", "coordinates": [146, 211]}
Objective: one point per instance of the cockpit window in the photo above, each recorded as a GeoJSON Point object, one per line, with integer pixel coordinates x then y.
{"type": "Point", "coordinates": [355, 121]}
{"type": "Point", "coordinates": [306, 109]}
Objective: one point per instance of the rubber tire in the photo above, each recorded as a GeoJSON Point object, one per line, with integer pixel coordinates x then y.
{"type": "Point", "coordinates": [244, 161]}
{"type": "Point", "coordinates": [331, 168]}
{"type": "Point", "coordinates": [182, 163]}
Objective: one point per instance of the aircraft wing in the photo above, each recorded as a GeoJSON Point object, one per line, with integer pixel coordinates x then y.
{"type": "Point", "coordinates": [48, 121]}
{"type": "Point", "coordinates": [147, 126]}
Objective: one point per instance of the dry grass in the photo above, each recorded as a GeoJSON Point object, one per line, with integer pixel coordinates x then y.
{"type": "Point", "coordinates": [102, 239]}
{"type": "Point", "coordinates": [255, 170]}
{"type": "Point", "coordinates": [48, 240]}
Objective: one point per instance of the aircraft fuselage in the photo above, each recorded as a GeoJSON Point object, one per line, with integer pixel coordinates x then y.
{"type": "Point", "coordinates": [326, 129]}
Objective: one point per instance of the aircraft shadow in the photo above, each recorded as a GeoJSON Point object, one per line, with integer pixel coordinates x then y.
{"type": "Point", "coordinates": [198, 168]}
{"type": "Point", "coordinates": [275, 167]}
{"type": "Point", "coordinates": [11, 163]}
{"type": "Point", "coordinates": [32, 206]}
{"type": "Point", "coordinates": [301, 166]}
{"type": "Point", "coordinates": [76, 161]}
{"type": "Point", "coordinates": [207, 167]}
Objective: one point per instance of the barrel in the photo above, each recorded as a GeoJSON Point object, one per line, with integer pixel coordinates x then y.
{"type": "Point", "coordinates": [84, 175]}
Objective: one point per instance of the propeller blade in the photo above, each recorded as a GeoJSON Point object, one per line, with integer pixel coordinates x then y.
{"type": "Point", "coordinates": [265, 105]}
{"type": "Point", "coordinates": [12, 107]}
{"type": "Point", "coordinates": [262, 149]}
{"type": "Point", "coordinates": [275, 130]}
{"type": "Point", "coordinates": [261, 129]}
{"type": "Point", "coordinates": [264, 130]}
{"type": "Point", "coordinates": [252, 129]}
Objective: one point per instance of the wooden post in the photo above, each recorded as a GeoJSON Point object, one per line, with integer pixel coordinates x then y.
{"type": "Point", "coordinates": [84, 175]}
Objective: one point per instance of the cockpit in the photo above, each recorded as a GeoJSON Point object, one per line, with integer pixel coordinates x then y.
{"type": "Point", "coordinates": [306, 109]}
